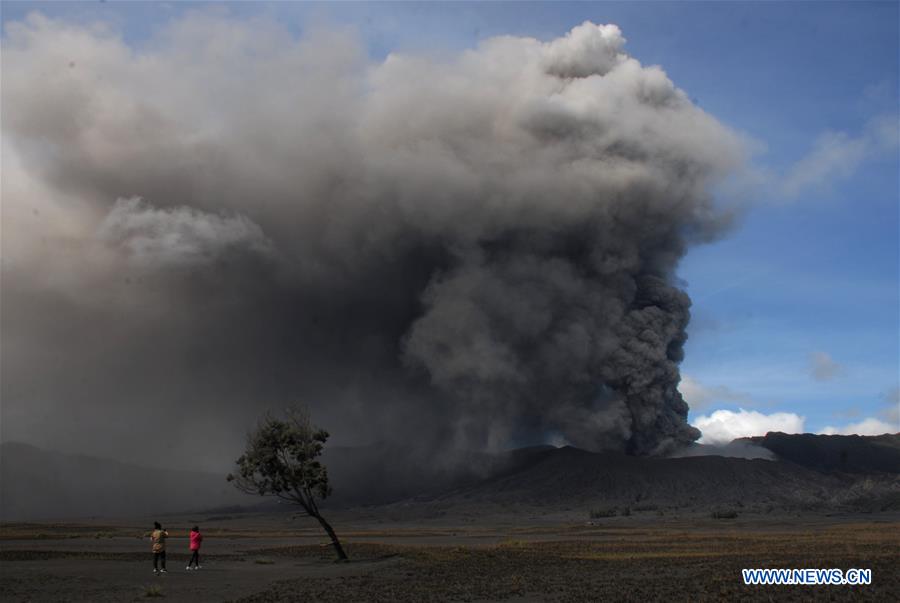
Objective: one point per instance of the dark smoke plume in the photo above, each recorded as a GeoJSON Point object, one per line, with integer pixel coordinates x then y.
{"type": "Point", "coordinates": [477, 250]}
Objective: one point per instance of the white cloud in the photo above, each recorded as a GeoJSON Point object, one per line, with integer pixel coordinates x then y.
{"type": "Point", "coordinates": [722, 426]}
{"type": "Point", "coordinates": [837, 155]}
{"type": "Point", "coordinates": [700, 396]}
{"type": "Point", "coordinates": [868, 426]}
{"type": "Point", "coordinates": [887, 421]}
{"type": "Point", "coordinates": [823, 367]}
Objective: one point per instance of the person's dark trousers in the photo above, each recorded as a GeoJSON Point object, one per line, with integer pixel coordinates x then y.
{"type": "Point", "coordinates": [195, 559]}
{"type": "Point", "coordinates": [161, 558]}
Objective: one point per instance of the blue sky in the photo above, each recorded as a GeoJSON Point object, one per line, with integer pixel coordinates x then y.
{"type": "Point", "coordinates": [809, 276]}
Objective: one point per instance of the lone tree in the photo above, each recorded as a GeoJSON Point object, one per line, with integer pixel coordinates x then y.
{"type": "Point", "coordinates": [280, 460]}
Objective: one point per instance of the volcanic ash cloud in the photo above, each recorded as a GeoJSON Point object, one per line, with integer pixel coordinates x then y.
{"type": "Point", "coordinates": [485, 243]}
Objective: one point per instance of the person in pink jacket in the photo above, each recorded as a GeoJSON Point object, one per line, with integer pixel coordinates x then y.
{"type": "Point", "coordinates": [196, 539]}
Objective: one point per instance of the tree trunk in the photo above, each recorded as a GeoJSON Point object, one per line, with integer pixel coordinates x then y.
{"type": "Point", "coordinates": [342, 556]}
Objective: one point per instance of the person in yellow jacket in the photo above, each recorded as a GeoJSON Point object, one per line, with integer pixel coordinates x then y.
{"type": "Point", "coordinates": [158, 538]}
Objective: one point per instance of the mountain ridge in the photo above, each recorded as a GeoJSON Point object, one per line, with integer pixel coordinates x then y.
{"type": "Point", "coordinates": [811, 473]}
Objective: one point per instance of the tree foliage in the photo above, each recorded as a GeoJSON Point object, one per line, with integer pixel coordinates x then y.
{"type": "Point", "coordinates": [281, 460]}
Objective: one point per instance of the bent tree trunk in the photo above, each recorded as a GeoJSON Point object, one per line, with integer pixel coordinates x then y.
{"type": "Point", "coordinates": [342, 556]}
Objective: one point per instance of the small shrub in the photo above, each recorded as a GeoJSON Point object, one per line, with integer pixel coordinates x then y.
{"type": "Point", "coordinates": [724, 514]}
{"type": "Point", "coordinates": [645, 507]}
{"type": "Point", "coordinates": [603, 512]}
{"type": "Point", "coordinates": [153, 591]}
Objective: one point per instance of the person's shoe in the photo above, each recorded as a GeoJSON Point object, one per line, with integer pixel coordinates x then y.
{"type": "Point", "coordinates": [155, 571]}
{"type": "Point", "coordinates": [188, 568]}
{"type": "Point", "coordinates": [199, 566]}
{"type": "Point", "coordinates": [163, 571]}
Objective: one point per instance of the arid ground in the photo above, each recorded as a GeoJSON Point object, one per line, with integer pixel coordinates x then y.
{"type": "Point", "coordinates": [275, 558]}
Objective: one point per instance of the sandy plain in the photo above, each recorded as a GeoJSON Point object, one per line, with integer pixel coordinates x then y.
{"type": "Point", "coordinates": [261, 558]}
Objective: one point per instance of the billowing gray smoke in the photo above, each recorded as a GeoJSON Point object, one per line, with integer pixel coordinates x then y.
{"type": "Point", "coordinates": [477, 250]}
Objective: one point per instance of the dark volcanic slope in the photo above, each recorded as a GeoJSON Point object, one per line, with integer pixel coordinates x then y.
{"type": "Point", "coordinates": [830, 453]}
{"type": "Point", "coordinates": [383, 473]}
{"type": "Point", "coordinates": [39, 484]}
{"type": "Point", "coordinates": [815, 472]}
{"type": "Point", "coordinates": [570, 477]}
